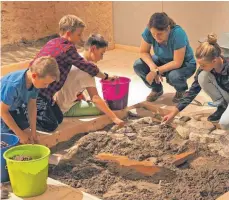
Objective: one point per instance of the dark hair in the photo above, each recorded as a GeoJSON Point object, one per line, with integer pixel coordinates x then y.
{"type": "Point", "coordinates": [97, 40]}
{"type": "Point", "coordinates": [160, 21]}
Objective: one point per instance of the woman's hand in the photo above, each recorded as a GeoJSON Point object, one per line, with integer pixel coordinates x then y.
{"type": "Point", "coordinates": [169, 117]}
{"type": "Point", "coordinates": [158, 79]}
{"type": "Point", "coordinates": [151, 76]}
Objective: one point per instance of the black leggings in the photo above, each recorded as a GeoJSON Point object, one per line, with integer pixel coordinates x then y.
{"type": "Point", "coordinates": [48, 116]}
{"type": "Point", "coordinates": [20, 119]}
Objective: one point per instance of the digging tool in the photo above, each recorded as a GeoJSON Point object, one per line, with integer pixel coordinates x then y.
{"type": "Point", "coordinates": [211, 104]}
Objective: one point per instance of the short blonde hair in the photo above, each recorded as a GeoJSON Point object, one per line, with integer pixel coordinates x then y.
{"type": "Point", "coordinates": [70, 23]}
{"type": "Point", "coordinates": [46, 66]}
{"type": "Point", "coordinates": [209, 50]}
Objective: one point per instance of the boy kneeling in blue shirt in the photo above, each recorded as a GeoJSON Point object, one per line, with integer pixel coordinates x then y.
{"type": "Point", "coordinates": [20, 89]}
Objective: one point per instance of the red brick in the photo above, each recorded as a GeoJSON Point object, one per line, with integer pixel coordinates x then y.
{"type": "Point", "coordinates": [183, 157]}
{"type": "Point", "coordinates": [144, 167]}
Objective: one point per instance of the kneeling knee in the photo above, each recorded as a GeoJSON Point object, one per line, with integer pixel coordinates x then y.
{"type": "Point", "coordinates": [175, 78]}
{"type": "Point", "coordinates": [138, 65]}
{"type": "Point", "coordinates": [224, 125]}
{"type": "Point", "coordinates": [203, 78]}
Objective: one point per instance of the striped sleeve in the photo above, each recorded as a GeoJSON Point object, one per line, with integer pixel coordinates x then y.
{"type": "Point", "coordinates": [73, 58]}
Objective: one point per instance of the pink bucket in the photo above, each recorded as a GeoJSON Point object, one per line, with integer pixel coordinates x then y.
{"type": "Point", "coordinates": [116, 92]}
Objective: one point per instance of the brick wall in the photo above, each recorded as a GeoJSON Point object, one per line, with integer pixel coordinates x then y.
{"type": "Point", "coordinates": [34, 20]}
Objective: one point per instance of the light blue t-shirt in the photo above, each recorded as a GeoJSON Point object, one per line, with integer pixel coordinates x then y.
{"type": "Point", "coordinates": [177, 39]}
{"type": "Point", "coordinates": [14, 92]}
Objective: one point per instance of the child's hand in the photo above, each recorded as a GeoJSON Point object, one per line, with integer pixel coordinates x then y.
{"type": "Point", "coordinates": [24, 137]}
{"type": "Point", "coordinates": [112, 78]}
{"type": "Point", "coordinates": [34, 139]}
{"type": "Point", "coordinates": [118, 122]}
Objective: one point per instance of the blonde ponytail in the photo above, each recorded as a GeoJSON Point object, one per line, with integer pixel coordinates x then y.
{"type": "Point", "coordinates": [210, 49]}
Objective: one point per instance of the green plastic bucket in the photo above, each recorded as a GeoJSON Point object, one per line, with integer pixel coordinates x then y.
{"type": "Point", "coordinates": [28, 178]}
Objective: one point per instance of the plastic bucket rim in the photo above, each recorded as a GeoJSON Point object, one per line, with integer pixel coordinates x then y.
{"type": "Point", "coordinates": [27, 161]}
{"type": "Point", "coordinates": [105, 82]}
{"type": "Point", "coordinates": [110, 83]}
{"type": "Point", "coordinates": [11, 145]}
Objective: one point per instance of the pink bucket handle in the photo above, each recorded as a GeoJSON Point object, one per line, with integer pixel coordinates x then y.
{"type": "Point", "coordinates": [117, 87]}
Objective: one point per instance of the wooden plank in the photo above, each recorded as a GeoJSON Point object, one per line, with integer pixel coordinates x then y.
{"type": "Point", "coordinates": [224, 197]}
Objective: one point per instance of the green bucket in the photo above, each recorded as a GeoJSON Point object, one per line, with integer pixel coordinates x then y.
{"type": "Point", "coordinates": [28, 178]}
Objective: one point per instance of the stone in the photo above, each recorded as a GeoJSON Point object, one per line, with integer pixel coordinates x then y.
{"type": "Point", "coordinates": [223, 153]}
{"type": "Point", "coordinates": [203, 140]}
{"type": "Point", "coordinates": [101, 132]}
{"type": "Point", "coordinates": [182, 120]}
{"type": "Point", "coordinates": [117, 136]}
{"type": "Point", "coordinates": [194, 137]}
{"type": "Point", "coordinates": [131, 136]}
{"type": "Point", "coordinates": [185, 119]}
{"type": "Point", "coordinates": [141, 112]}
{"type": "Point", "coordinates": [144, 120]}
{"type": "Point", "coordinates": [215, 147]}
{"type": "Point", "coordinates": [150, 129]}
{"type": "Point", "coordinates": [210, 138]}
{"type": "Point", "coordinates": [154, 160]}
{"type": "Point", "coordinates": [200, 125]}
{"type": "Point", "coordinates": [125, 130]}
{"type": "Point", "coordinates": [114, 128]}
{"type": "Point", "coordinates": [219, 132]}
{"type": "Point", "coordinates": [178, 122]}
{"type": "Point", "coordinates": [183, 131]}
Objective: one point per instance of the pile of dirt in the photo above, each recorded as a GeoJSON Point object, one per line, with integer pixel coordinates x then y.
{"type": "Point", "coordinates": [152, 140]}
{"type": "Point", "coordinates": [4, 144]}
{"type": "Point", "coordinates": [196, 184]}
{"type": "Point", "coordinates": [81, 168]}
{"type": "Point", "coordinates": [27, 43]}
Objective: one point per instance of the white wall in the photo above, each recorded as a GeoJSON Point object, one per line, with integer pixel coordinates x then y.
{"type": "Point", "coordinates": [197, 18]}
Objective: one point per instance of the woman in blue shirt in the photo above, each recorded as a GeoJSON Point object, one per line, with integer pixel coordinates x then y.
{"type": "Point", "coordinates": [173, 57]}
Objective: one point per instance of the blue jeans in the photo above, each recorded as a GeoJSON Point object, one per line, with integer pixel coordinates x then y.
{"type": "Point", "coordinates": [176, 78]}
